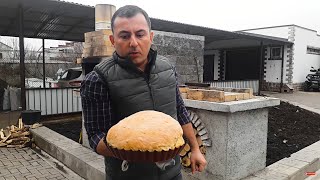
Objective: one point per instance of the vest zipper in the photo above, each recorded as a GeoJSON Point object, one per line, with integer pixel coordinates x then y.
{"type": "Point", "coordinates": [150, 90]}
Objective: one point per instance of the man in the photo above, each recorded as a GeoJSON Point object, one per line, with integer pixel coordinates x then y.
{"type": "Point", "coordinates": [132, 80]}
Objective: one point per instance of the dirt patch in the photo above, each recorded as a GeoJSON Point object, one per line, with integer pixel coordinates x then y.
{"type": "Point", "coordinates": [70, 129]}
{"type": "Point", "coordinates": [290, 129]}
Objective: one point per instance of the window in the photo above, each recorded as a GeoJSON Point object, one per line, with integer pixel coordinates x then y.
{"type": "Point", "coordinates": [275, 53]}
{"type": "Point", "coordinates": [1, 56]}
{"type": "Point", "coordinates": [313, 50]}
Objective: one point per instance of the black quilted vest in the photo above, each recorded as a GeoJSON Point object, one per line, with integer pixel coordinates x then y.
{"type": "Point", "coordinates": [130, 91]}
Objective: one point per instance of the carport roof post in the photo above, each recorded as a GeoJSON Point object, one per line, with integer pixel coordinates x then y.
{"type": "Point", "coordinates": [22, 65]}
{"type": "Point", "coordinates": [261, 68]}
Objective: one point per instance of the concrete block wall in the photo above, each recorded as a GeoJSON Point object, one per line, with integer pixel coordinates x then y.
{"type": "Point", "coordinates": [184, 51]}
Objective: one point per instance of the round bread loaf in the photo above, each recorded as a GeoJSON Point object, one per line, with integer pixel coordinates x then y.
{"type": "Point", "coordinates": [146, 131]}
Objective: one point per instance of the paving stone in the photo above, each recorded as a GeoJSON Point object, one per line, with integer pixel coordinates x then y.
{"type": "Point", "coordinates": [22, 164]}
{"type": "Point", "coordinates": [10, 178]}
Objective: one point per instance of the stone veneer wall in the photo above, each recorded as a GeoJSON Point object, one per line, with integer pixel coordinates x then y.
{"type": "Point", "coordinates": [184, 51]}
{"type": "Point", "coordinates": [290, 55]}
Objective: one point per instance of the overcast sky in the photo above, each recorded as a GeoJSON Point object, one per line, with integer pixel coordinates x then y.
{"type": "Point", "coordinates": [229, 15]}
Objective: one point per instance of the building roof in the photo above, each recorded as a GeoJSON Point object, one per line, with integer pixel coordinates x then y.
{"type": "Point", "coordinates": [3, 44]}
{"type": "Point", "coordinates": [270, 27]}
{"type": "Point", "coordinates": [53, 19]}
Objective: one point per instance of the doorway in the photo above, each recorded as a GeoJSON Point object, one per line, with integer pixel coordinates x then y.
{"type": "Point", "coordinates": [208, 68]}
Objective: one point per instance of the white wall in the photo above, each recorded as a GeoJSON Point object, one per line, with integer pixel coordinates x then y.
{"type": "Point", "coordinates": [5, 50]}
{"type": "Point", "coordinates": [302, 60]}
{"type": "Point", "coordinates": [273, 68]}
{"type": "Point", "coordinates": [216, 61]}
{"type": "Point", "coordinates": [281, 32]}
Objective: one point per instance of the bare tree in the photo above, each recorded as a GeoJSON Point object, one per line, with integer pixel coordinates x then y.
{"type": "Point", "coordinates": [11, 65]}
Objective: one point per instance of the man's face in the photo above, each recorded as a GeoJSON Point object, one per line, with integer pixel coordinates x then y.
{"type": "Point", "coordinates": [132, 38]}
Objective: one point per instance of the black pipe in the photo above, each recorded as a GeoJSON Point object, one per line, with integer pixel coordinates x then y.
{"type": "Point", "coordinates": [22, 65]}
{"type": "Point", "coordinates": [43, 65]}
{"type": "Point", "coordinates": [261, 68]}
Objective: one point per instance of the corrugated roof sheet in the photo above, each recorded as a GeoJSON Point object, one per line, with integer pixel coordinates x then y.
{"type": "Point", "coordinates": [47, 19]}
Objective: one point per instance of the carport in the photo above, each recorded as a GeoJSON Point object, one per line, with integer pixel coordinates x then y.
{"type": "Point", "coordinates": [59, 20]}
{"type": "Point", "coordinates": [43, 19]}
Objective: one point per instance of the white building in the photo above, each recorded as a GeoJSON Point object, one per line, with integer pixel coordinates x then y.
{"type": "Point", "coordinates": [5, 51]}
{"type": "Point", "coordinates": [68, 52]}
{"type": "Point", "coordinates": [298, 59]}
{"type": "Point", "coordinates": [276, 66]}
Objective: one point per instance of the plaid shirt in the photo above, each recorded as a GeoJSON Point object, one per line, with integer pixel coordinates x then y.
{"type": "Point", "coordinates": [97, 108]}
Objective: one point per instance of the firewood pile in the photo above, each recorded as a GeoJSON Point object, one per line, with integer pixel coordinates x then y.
{"type": "Point", "coordinates": [16, 136]}
{"type": "Point", "coordinates": [202, 139]}
{"type": "Point", "coordinates": [185, 153]}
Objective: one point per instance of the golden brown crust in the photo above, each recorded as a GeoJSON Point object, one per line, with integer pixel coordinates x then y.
{"type": "Point", "coordinates": [146, 131]}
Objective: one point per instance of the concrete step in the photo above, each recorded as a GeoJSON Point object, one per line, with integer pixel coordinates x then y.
{"type": "Point", "coordinates": [83, 161]}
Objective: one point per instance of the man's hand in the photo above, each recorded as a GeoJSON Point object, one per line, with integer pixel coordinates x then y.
{"type": "Point", "coordinates": [198, 162]}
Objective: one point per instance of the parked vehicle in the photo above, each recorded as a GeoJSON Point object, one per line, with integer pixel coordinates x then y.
{"type": "Point", "coordinates": [71, 77]}
{"type": "Point", "coordinates": [313, 80]}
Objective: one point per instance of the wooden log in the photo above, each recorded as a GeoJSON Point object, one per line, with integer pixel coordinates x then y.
{"type": "Point", "coordinates": [199, 140]}
{"type": "Point", "coordinates": [20, 134]}
{"type": "Point", "coordinates": [183, 152]}
{"type": "Point", "coordinates": [2, 136]}
{"type": "Point", "coordinates": [183, 89]}
{"type": "Point", "coordinates": [184, 95]}
{"type": "Point", "coordinates": [203, 149]}
{"type": "Point", "coordinates": [247, 91]}
{"type": "Point", "coordinates": [231, 96]}
{"type": "Point", "coordinates": [206, 95]}
{"type": "Point", "coordinates": [187, 147]}
{"type": "Point", "coordinates": [186, 161]}
{"type": "Point", "coordinates": [7, 137]}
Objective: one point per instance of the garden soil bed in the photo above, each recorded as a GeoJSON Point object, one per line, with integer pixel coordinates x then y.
{"type": "Point", "coordinates": [290, 129]}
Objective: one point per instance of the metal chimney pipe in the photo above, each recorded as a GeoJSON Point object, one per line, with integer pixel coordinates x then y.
{"type": "Point", "coordinates": [103, 14]}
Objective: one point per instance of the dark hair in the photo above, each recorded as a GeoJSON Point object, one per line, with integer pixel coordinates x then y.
{"type": "Point", "coordinates": [129, 11]}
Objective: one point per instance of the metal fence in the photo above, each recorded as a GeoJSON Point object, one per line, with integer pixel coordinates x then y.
{"type": "Point", "coordinates": [37, 72]}
{"type": "Point", "coordinates": [254, 84]}
{"type": "Point", "coordinates": [53, 100]}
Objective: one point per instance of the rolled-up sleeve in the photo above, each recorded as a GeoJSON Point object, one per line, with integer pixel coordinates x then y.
{"type": "Point", "coordinates": [96, 107]}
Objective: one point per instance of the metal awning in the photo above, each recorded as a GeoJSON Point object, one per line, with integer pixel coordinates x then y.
{"type": "Point", "coordinates": [46, 19]}
{"type": "Point", "coordinates": [60, 20]}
